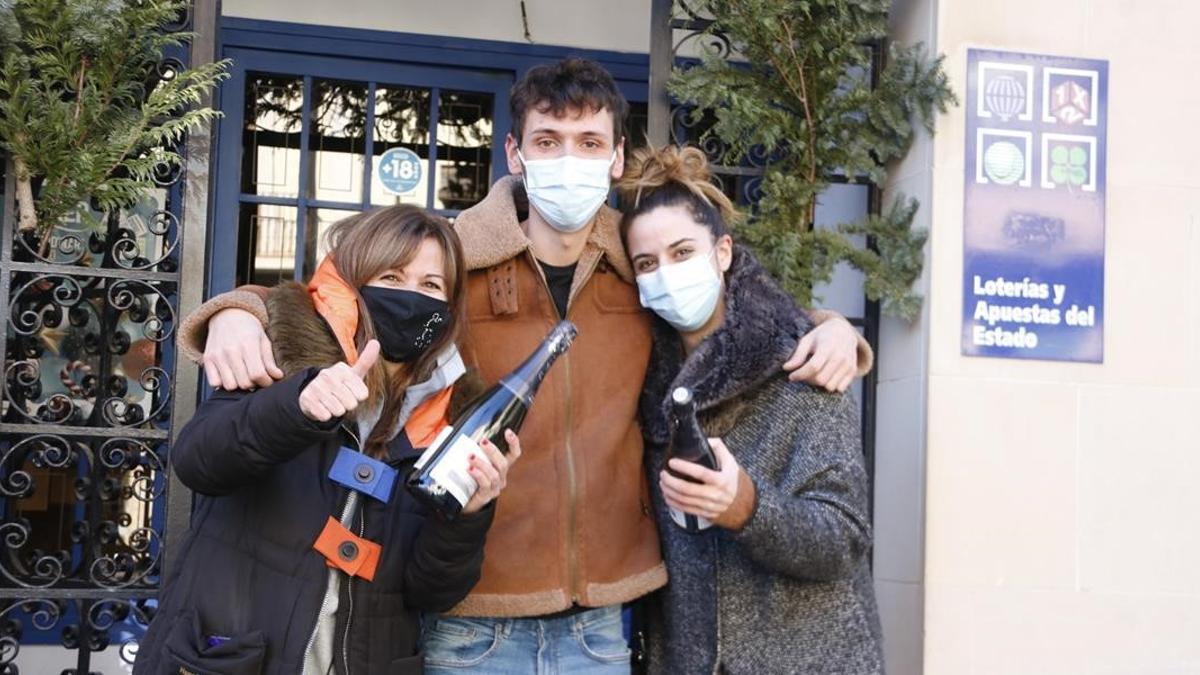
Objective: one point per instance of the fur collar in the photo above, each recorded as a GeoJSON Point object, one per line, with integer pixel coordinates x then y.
{"type": "Point", "coordinates": [300, 336]}
{"type": "Point", "coordinates": [491, 230]}
{"type": "Point", "coordinates": [302, 339]}
{"type": "Point", "coordinates": [762, 325]}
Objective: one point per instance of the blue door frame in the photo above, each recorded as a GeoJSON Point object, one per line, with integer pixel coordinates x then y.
{"type": "Point", "coordinates": [317, 52]}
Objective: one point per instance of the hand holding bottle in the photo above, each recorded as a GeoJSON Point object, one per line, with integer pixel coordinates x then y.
{"type": "Point", "coordinates": [490, 471]}
{"type": "Point", "coordinates": [712, 493]}
{"type": "Point", "coordinates": [443, 479]}
{"type": "Point", "coordinates": [340, 388]}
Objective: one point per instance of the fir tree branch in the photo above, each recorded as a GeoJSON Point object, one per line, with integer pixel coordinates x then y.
{"type": "Point", "coordinates": [801, 102]}
{"type": "Point", "coordinates": [76, 114]}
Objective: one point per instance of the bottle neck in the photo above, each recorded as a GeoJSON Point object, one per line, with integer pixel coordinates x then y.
{"type": "Point", "coordinates": [687, 427]}
{"type": "Point", "coordinates": [525, 380]}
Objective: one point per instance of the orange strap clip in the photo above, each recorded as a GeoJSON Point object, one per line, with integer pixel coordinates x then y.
{"type": "Point", "coordinates": [346, 551]}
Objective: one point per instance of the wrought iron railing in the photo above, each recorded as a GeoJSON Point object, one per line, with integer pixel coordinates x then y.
{"type": "Point", "coordinates": [87, 404]}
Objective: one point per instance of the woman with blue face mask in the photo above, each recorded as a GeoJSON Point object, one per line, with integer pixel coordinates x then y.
{"type": "Point", "coordinates": [780, 581]}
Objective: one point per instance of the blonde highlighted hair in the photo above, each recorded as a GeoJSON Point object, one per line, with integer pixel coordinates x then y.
{"type": "Point", "coordinates": [675, 176]}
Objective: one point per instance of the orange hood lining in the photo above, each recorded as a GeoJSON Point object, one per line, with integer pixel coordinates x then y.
{"type": "Point", "coordinates": [337, 302]}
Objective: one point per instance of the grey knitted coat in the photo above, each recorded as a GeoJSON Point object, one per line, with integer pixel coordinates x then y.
{"type": "Point", "coordinates": [791, 592]}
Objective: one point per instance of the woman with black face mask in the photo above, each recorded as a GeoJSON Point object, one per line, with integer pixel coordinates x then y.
{"type": "Point", "coordinates": [305, 554]}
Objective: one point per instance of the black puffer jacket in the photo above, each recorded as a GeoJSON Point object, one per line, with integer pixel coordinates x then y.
{"type": "Point", "coordinates": [791, 591]}
{"type": "Point", "coordinates": [246, 569]}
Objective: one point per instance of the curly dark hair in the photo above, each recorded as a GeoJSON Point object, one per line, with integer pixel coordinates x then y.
{"type": "Point", "coordinates": [572, 84]}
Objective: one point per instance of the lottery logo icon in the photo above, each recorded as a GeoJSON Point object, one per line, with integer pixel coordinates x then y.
{"type": "Point", "coordinates": [1069, 161]}
{"type": "Point", "coordinates": [1071, 96]}
{"type": "Point", "coordinates": [1070, 103]}
{"type": "Point", "coordinates": [1005, 97]}
{"type": "Point", "coordinates": [1004, 162]}
{"type": "Point", "coordinates": [1003, 157]}
{"type": "Point", "coordinates": [1068, 165]}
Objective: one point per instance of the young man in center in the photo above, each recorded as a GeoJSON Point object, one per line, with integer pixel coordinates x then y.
{"type": "Point", "coordinates": [573, 538]}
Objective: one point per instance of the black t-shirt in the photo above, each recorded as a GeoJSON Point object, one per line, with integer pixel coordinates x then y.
{"type": "Point", "coordinates": [559, 279]}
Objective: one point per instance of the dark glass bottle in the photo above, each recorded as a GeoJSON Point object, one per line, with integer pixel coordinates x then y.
{"type": "Point", "coordinates": [440, 479]}
{"type": "Point", "coordinates": [688, 442]}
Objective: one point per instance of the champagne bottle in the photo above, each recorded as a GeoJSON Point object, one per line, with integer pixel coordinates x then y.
{"type": "Point", "coordinates": [688, 442]}
{"type": "Point", "coordinates": [440, 479]}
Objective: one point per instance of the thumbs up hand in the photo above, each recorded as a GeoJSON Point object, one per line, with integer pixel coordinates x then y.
{"type": "Point", "coordinates": [338, 389]}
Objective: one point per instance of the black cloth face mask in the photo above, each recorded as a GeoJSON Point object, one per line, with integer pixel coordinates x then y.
{"type": "Point", "coordinates": [407, 322]}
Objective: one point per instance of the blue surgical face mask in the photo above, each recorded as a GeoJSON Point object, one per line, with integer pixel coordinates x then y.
{"type": "Point", "coordinates": [684, 294]}
{"type": "Point", "coordinates": [567, 190]}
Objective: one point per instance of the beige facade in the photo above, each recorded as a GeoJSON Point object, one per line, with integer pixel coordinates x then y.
{"type": "Point", "coordinates": [617, 25]}
{"type": "Point", "coordinates": [1058, 499]}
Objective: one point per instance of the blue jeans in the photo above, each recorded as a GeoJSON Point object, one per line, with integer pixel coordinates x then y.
{"type": "Point", "coordinates": [588, 642]}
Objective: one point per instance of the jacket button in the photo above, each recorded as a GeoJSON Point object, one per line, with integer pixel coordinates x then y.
{"type": "Point", "coordinates": [348, 551]}
{"type": "Point", "coordinates": [364, 473]}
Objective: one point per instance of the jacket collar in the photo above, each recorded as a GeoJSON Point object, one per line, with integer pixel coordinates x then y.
{"type": "Point", "coordinates": [337, 303]}
{"type": "Point", "coordinates": [491, 231]}
{"type": "Point", "coordinates": [762, 325]}
{"type": "Point", "coordinates": [300, 336]}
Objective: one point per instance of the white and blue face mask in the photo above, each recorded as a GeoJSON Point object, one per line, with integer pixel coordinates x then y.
{"type": "Point", "coordinates": [567, 190]}
{"type": "Point", "coordinates": [684, 294]}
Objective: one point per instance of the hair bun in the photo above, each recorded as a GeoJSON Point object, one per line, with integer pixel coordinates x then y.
{"type": "Point", "coordinates": [649, 169]}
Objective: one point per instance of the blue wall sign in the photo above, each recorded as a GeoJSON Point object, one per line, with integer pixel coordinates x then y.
{"type": "Point", "coordinates": [1033, 214]}
{"type": "Point", "coordinates": [400, 170]}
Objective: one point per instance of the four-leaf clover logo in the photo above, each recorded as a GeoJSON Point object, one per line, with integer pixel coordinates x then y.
{"type": "Point", "coordinates": [1068, 165]}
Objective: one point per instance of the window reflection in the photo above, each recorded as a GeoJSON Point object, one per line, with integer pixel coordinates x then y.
{"type": "Point", "coordinates": [272, 231]}
{"type": "Point", "coordinates": [324, 219]}
{"type": "Point", "coordinates": [337, 140]}
{"type": "Point", "coordinates": [635, 127]}
{"type": "Point", "coordinates": [271, 138]}
{"type": "Point", "coordinates": [464, 147]}
{"type": "Point", "coordinates": [402, 117]}
{"type": "Point", "coordinates": [401, 120]}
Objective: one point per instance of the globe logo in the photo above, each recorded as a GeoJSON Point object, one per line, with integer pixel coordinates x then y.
{"type": "Point", "coordinates": [1004, 163]}
{"type": "Point", "coordinates": [1004, 96]}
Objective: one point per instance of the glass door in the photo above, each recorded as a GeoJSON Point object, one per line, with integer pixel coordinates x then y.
{"type": "Point", "coordinates": [309, 140]}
